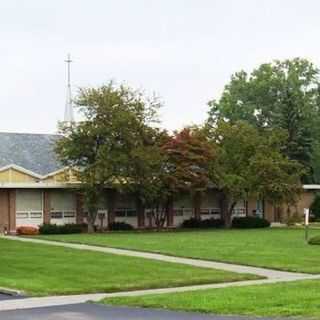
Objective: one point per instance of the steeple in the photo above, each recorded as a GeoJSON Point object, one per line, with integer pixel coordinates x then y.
{"type": "Point", "coordinates": [68, 111]}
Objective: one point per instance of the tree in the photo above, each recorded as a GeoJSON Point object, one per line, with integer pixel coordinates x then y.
{"type": "Point", "coordinates": [282, 94]}
{"type": "Point", "coordinates": [189, 154]}
{"type": "Point", "coordinates": [250, 163]}
{"type": "Point", "coordinates": [99, 147]}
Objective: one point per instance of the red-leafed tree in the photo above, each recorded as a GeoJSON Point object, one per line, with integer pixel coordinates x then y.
{"type": "Point", "coordinates": [189, 154]}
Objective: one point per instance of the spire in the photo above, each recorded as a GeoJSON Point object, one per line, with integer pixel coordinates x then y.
{"type": "Point", "coordinates": [68, 111]}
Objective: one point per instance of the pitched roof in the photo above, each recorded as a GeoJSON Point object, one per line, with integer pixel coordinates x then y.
{"type": "Point", "coordinates": [34, 152]}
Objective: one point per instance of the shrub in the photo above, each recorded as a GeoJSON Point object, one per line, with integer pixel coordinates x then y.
{"type": "Point", "coordinates": [62, 229]}
{"type": "Point", "coordinates": [293, 220]}
{"type": "Point", "coordinates": [27, 231]}
{"type": "Point", "coordinates": [250, 222]}
{"type": "Point", "coordinates": [315, 240]}
{"type": "Point", "coordinates": [120, 226]}
{"type": "Point", "coordinates": [315, 207]}
{"type": "Point", "coordinates": [204, 224]}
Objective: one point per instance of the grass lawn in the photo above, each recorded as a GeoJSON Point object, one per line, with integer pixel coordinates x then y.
{"type": "Point", "coordinates": [300, 298]}
{"type": "Point", "coordinates": [283, 249]}
{"type": "Point", "coordinates": [46, 270]}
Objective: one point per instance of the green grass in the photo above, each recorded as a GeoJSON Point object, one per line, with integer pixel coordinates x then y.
{"type": "Point", "coordinates": [300, 298]}
{"type": "Point", "coordinates": [40, 269]}
{"type": "Point", "coordinates": [283, 249]}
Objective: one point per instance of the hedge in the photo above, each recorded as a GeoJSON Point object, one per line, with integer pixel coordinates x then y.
{"type": "Point", "coordinates": [62, 229]}
{"type": "Point", "coordinates": [120, 226]}
{"type": "Point", "coordinates": [202, 224]}
{"type": "Point", "coordinates": [315, 240]}
{"type": "Point", "coordinates": [249, 223]}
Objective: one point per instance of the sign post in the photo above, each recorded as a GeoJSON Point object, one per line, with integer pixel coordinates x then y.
{"type": "Point", "coordinates": [306, 223]}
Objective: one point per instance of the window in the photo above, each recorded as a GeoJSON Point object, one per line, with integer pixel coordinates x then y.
{"type": "Point", "coordinates": [125, 212]}
{"type": "Point", "coordinates": [69, 214]}
{"type": "Point", "coordinates": [216, 211]}
{"type": "Point", "coordinates": [35, 215]}
{"type": "Point", "coordinates": [22, 215]}
{"type": "Point", "coordinates": [239, 212]}
{"type": "Point", "coordinates": [205, 211]}
{"type": "Point", "coordinates": [178, 212]}
{"type": "Point", "coordinates": [56, 215]}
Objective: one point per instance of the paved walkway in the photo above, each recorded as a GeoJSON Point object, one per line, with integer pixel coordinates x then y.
{"type": "Point", "coordinates": [272, 276]}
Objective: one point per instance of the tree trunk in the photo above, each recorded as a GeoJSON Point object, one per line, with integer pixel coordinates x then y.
{"type": "Point", "coordinates": [197, 205]}
{"type": "Point", "coordinates": [91, 220]}
{"type": "Point", "coordinates": [140, 209]}
{"type": "Point", "coordinates": [169, 212]}
{"type": "Point", "coordinates": [226, 211]}
{"type": "Point", "coordinates": [111, 204]}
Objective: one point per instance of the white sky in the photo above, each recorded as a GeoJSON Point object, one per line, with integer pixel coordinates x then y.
{"type": "Point", "coordinates": [184, 50]}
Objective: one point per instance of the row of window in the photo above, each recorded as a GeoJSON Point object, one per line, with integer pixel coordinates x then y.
{"type": "Point", "coordinates": [29, 215]}
{"type": "Point", "coordinates": [39, 215]}
{"type": "Point", "coordinates": [125, 213]}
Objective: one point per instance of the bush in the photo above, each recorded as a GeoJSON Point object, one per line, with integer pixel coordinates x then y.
{"type": "Point", "coordinates": [315, 240]}
{"type": "Point", "coordinates": [294, 220]}
{"type": "Point", "coordinates": [27, 231]}
{"type": "Point", "coordinates": [62, 229]}
{"type": "Point", "coordinates": [315, 207]}
{"type": "Point", "coordinates": [250, 222]}
{"type": "Point", "coordinates": [202, 224]}
{"type": "Point", "coordinates": [120, 226]}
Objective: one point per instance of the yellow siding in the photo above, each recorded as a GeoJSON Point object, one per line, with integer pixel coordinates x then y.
{"type": "Point", "coordinates": [4, 176]}
{"type": "Point", "coordinates": [15, 176]}
{"type": "Point", "coordinates": [64, 176]}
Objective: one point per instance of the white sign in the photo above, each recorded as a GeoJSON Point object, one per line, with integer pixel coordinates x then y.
{"type": "Point", "coordinates": [306, 216]}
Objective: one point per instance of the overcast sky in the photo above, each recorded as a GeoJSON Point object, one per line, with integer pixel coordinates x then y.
{"type": "Point", "coordinates": [183, 50]}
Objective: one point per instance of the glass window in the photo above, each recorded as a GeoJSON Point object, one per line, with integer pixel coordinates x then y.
{"type": "Point", "coordinates": [35, 215]}
{"type": "Point", "coordinates": [178, 212]}
{"type": "Point", "coordinates": [22, 215]}
{"type": "Point", "coordinates": [56, 215]}
{"type": "Point", "coordinates": [120, 213]}
{"type": "Point", "coordinates": [69, 214]}
{"type": "Point", "coordinates": [131, 213]}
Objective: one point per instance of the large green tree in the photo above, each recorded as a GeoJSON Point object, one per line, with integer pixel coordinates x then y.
{"type": "Point", "coordinates": [99, 148]}
{"type": "Point", "coordinates": [282, 94]}
{"type": "Point", "coordinates": [250, 163]}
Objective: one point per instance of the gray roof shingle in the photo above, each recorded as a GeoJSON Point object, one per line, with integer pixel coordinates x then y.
{"type": "Point", "coordinates": [34, 152]}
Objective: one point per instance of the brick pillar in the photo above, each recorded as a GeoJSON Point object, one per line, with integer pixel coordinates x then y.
{"type": "Point", "coordinates": [46, 206]}
{"type": "Point", "coordinates": [12, 211]}
{"type": "Point", "coordinates": [79, 208]}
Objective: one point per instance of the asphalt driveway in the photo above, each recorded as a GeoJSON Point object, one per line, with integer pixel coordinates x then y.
{"type": "Point", "coordinates": [88, 311]}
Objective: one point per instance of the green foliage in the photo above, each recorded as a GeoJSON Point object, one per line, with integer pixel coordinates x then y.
{"type": "Point", "coordinates": [115, 124]}
{"type": "Point", "coordinates": [120, 226]}
{"type": "Point", "coordinates": [282, 94]}
{"type": "Point", "coordinates": [249, 223]}
{"type": "Point", "coordinates": [315, 240]}
{"type": "Point", "coordinates": [62, 229]}
{"type": "Point", "coordinates": [249, 162]}
{"type": "Point", "coordinates": [194, 223]}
